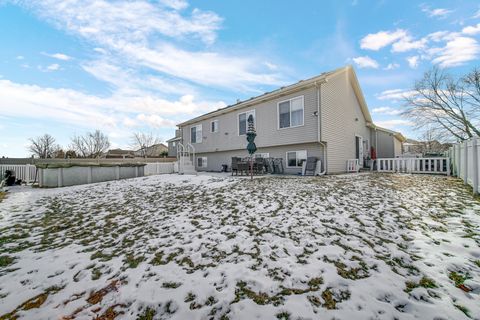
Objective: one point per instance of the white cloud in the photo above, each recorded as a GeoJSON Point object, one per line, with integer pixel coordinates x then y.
{"type": "Point", "coordinates": [413, 61]}
{"type": "Point", "coordinates": [156, 121]}
{"type": "Point", "coordinates": [394, 94]}
{"type": "Point", "coordinates": [175, 4]}
{"type": "Point", "coordinates": [58, 56]}
{"type": "Point", "coordinates": [386, 110]}
{"type": "Point", "coordinates": [145, 34]}
{"type": "Point", "coordinates": [376, 41]}
{"type": "Point", "coordinates": [407, 43]}
{"type": "Point", "coordinates": [67, 106]}
{"type": "Point", "coordinates": [53, 67]}
{"type": "Point", "coordinates": [456, 52]}
{"type": "Point", "coordinates": [20, 57]}
{"type": "Point", "coordinates": [393, 123]}
{"type": "Point", "coordinates": [471, 30]}
{"type": "Point", "coordinates": [392, 66]}
{"type": "Point", "coordinates": [365, 62]}
{"type": "Point", "coordinates": [436, 13]}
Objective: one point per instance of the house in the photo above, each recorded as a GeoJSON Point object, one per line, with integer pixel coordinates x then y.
{"type": "Point", "coordinates": [119, 154]}
{"type": "Point", "coordinates": [324, 117]}
{"type": "Point", "coordinates": [154, 151]}
{"type": "Point", "coordinates": [172, 143]}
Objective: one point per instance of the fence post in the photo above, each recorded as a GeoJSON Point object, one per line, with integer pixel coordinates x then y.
{"type": "Point", "coordinates": [60, 177]}
{"type": "Point", "coordinates": [465, 162]}
{"type": "Point", "coordinates": [475, 165]}
{"type": "Point", "coordinates": [27, 173]}
{"type": "Point", "coordinates": [448, 167]}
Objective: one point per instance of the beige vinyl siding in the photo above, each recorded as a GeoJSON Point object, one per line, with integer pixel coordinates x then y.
{"type": "Point", "coordinates": [385, 144]}
{"type": "Point", "coordinates": [216, 159]}
{"type": "Point", "coordinates": [266, 118]}
{"type": "Point", "coordinates": [339, 109]}
{"type": "Point", "coordinates": [397, 144]}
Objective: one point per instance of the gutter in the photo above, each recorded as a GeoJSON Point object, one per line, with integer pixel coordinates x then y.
{"type": "Point", "coordinates": [319, 116]}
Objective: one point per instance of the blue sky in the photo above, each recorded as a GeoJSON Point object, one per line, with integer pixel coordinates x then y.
{"type": "Point", "coordinates": [68, 67]}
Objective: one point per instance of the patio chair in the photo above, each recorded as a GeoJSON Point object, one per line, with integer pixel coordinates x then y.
{"type": "Point", "coordinates": [243, 167]}
{"type": "Point", "coordinates": [278, 165]}
{"type": "Point", "coordinates": [269, 165]}
{"type": "Point", "coordinates": [259, 165]}
{"type": "Point", "coordinates": [234, 165]}
{"type": "Point", "coordinates": [311, 165]}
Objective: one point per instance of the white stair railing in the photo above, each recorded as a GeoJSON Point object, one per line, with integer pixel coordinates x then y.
{"type": "Point", "coordinates": [186, 158]}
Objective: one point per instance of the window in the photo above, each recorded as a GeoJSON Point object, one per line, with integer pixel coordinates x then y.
{"type": "Point", "coordinates": [214, 126]}
{"type": "Point", "coordinates": [174, 144]}
{"type": "Point", "coordinates": [290, 113]}
{"type": "Point", "coordinates": [202, 162]}
{"type": "Point", "coordinates": [242, 121]}
{"type": "Point", "coordinates": [262, 155]}
{"type": "Point", "coordinates": [196, 134]}
{"type": "Point", "coordinates": [295, 158]}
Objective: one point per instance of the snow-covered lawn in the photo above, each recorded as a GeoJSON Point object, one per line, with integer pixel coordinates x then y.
{"type": "Point", "coordinates": [364, 246]}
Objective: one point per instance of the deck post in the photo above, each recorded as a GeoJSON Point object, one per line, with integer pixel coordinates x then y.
{"type": "Point", "coordinates": [465, 162]}
{"type": "Point", "coordinates": [475, 165]}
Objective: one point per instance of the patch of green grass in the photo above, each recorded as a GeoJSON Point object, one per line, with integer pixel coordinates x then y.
{"type": "Point", "coordinates": [425, 282]}
{"type": "Point", "coordinates": [329, 301]}
{"type": "Point", "coordinates": [190, 297]}
{"type": "Point", "coordinates": [463, 309]}
{"type": "Point", "coordinates": [459, 280]}
{"type": "Point", "coordinates": [132, 261]}
{"type": "Point", "coordinates": [3, 195]}
{"type": "Point", "coordinates": [171, 285]}
{"type": "Point", "coordinates": [285, 315]}
{"type": "Point", "coordinates": [477, 262]}
{"type": "Point", "coordinates": [6, 261]}
{"type": "Point", "coordinates": [148, 314]}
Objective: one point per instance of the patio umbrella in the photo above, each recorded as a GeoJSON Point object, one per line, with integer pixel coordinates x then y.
{"type": "Point", "coordinates": [251, 147]}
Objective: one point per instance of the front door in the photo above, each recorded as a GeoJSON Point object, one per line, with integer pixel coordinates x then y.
{"type": "Point", "coordinates": [359, 150]}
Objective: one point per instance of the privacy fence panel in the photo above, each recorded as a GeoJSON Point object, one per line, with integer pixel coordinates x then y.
{"type": "Point", "coordinates": [25, 172]}
{"type": "Point", "coordinates": [159, 168]}
{"type": "Point", "coordinates": [465, 164]}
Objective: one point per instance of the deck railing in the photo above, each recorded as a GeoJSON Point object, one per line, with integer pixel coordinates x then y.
{"type": "Point", "coordinates": [353, 165]}
{"type": "Point", "coordinates": [414, 165]}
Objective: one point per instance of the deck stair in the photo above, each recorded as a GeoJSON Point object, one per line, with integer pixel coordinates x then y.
{"type": "Point", "coordinates": [186, 159]}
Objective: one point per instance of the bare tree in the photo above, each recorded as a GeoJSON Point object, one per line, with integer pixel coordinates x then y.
{"type": "Point", "coordinates": [143, 142]}
{"type": "Point", "coordinates": [43, 146]}
{"type": "Point", "coordinates": [91, 145]}
{"type": "Point", "coordinates": [448, 107]}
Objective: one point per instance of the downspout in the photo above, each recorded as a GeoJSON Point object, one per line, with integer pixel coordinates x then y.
{"type": "Point", "coordinates": [319, 117]}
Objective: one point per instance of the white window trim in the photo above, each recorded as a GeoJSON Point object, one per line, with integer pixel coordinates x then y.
{"type": "Point", "coordinates": [238, 120]}
{"type": "Point", "coordinates": [204, 162]}
{"type": "Point", "coordinates": [201, 136]}
{"type": "Point", "coordinates": [278, 113]}
{"type": "Point", "coordinates": [216, 121]}
{"type": "Point", "coordinates": [296, 156]}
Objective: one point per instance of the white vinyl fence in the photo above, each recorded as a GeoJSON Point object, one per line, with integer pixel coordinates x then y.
{"type": "Point", "coordinates": [414, 165]}
{"type": "Point", "coordinates": [26, 172]}
{"type": "Point", "coordinates": [158, 168]}
{"type": "Point", "coordinates": [466, 162]}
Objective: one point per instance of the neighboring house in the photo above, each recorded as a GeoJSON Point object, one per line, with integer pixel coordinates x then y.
{"type": "Point", "coordinates": [423, 148]}
{"type": "Point", "coordinates": [324, 117]}
{"type": "Point", "coordinates": [119, 154]}
{"type": "Point", "coordinates": [154, 151]}
{"type": "Point", "coordinates": [172, 143]}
